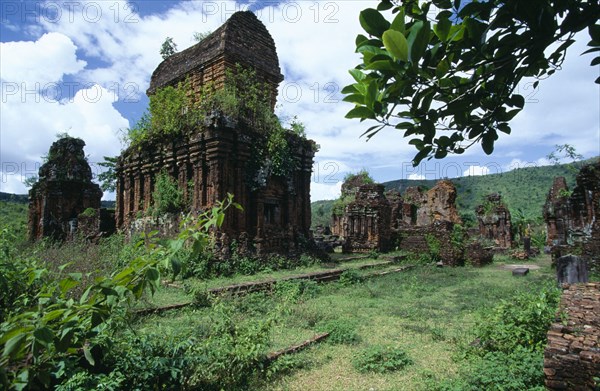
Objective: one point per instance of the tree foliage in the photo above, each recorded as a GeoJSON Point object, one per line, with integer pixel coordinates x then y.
{"type": "Point", "coordinates": [200, 36]}
{"type": "Point", "coordinates": [168, 48]}
{"type": "Point", "coordinates": [108, 178]}
{"type": "Point", "coordinates": [451, 82]}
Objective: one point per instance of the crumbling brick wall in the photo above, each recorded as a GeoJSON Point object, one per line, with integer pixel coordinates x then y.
{"type": "Point", "coordinates": [573, 218]}
{"type": "Point", "coordinates": [495, 221]}
{"type": "Point", "coordinates": [434, 239]}
{"type": "Point", "coordinates": [381, 222]}
{"type": "Point", "coordinates": [572, 355]}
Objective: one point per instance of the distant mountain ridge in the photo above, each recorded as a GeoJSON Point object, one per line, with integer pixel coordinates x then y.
{"type": "Point", "coordinates": [24, 199]}
{"type": "Point", "coordinates": [18, 198]}
{"type": "Point", "coordinates": [522, 188]}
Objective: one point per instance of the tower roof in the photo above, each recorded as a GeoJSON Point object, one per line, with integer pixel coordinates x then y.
{"type": "Point", "coordinates": [241, 39]}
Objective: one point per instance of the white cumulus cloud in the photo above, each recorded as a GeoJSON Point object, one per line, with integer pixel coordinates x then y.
{"type": "Point", "coordinates": [46, 60]}
{"type": "Point", "coordinates": [476, 170]}
{"type": "Point", "coordinates": [415, 176]}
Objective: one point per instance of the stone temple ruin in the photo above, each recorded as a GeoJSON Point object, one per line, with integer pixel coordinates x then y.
{"type": "Point", "coordinates": [495, 222]}
{"type": "Point", "coordinates": [65, 200]}
{"type": "Point", "coordinates": [573, 218]}
{"type": "Point", "coordinates": [571, 357]}
{"type": "Point", "coordinates": [217, 158]}
{"type": "Point", "coordinates": [378, 221]}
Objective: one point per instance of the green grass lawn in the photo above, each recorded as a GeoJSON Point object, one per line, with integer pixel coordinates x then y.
{"type": "Point", "coordinates": [428, 312]}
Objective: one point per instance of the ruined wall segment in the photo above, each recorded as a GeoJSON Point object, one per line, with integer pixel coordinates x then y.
{"type": "Point", "coordinates": [378, 221]}
{"type": "Point", "coordinates": [573, 219]}
{"type": "Point", "coordinates": [366, 225]}
{"type": "Point", "coordinates": [438, 204]}
{"type": "Point", "coordinates": [555, 212]}
{"type": "Point", "coordinates": [572, 354]}
{"type": "Point", "coordinates": [495, 221]}
{"type": "Point", "coordinates": [63, 191]}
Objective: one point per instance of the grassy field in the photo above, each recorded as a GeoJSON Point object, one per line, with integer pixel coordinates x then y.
{"type": "Point", "coordinates": [427, 316]}
{"type": "Point", "coordinates": [427, 312]}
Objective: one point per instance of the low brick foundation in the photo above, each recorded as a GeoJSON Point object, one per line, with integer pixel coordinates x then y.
{"type": "Point", "coordinates": [572, 356]}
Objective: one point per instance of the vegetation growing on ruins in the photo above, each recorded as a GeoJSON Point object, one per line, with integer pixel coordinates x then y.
{"type": "Point", "coordinates": [353, 181]}
{"type": "Point", "coordinates": [167, 196]}
{"type": "Point", "coordinates": [175, 112]}
{"type": "Point", "coordinates": [451, 83]}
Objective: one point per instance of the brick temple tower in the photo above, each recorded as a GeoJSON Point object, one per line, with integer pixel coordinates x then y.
{"type": "Point", "coordinates": [219, 156]}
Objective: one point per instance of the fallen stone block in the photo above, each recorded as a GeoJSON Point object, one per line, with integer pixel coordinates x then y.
{"type": "Point", "coordinates": [520, 271]}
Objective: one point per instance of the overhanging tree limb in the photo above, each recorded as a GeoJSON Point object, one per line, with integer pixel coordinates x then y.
{"type": "Point", "coordinates": [450, 82]}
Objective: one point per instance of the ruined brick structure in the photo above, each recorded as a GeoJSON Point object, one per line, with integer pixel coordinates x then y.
{"type": "Point", "coordinates": [437, 204]}
{"type": "Point", "coordinates": [220, 156]}
{"type": "Point", "coordinates": [572, 219]}
{"type": "Point", "coordinates": [555, 212]}
{"type": "Point", "coordinates": [494, 221]}
{"type": "Point", "coordinates": [572, 354]}
{"type": "Point", "coordinates": [366, 221]}
{"type": "Point", "coordinates": [242, 39]}
{"type": "Point", "coordinates": [382, 221]}
{"type": "Point", "coordinates": [348, 192]}
{"type": "Point", "coordinates": [63, 192]}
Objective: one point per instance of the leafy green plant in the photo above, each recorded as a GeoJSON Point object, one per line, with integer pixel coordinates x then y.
{"type": "Point", "coordinates": [419, 258]}
{"type": "Point", "coordinates": [339, 205]}
{"type": "Point", "coordinates": [350, 277]}
{"type": "Point", "coordinates": [168, 48]}
{"type": "Point", "coordinates": [50, 330]}
{"type": "Point", "coordinates": [434, 247]}
{"type": "Point", "coordinates": [289, 291]}
{"type": "Point", "coordinates": [89, 212]}
{"type": "Point", "coordinates": [522, 321]}
{"type": "Point", "coordinates": [233, 353]}
{"type": "Point", "coordinates": [458, 236]}
{"type": "Point", "coordinates": [565, 193]}
{"type": "Point", "coordinates": [518, 370]}
{"type": "Point", "coordinates": [202, 297]}
{"type": "Point", "coordinates": [351, 182]}
{"type": "Point", "coordinates": [341, 331]}
{"type": "Point", "coordinates": [381, 359]}
{"type": "Point", "coordinates": [167, 196]}
{"type": "Point", "coordinates": [108, 178]}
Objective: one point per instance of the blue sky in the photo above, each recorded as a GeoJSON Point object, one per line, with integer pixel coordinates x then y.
{"type": "Point", "coordinates": [84, 66]}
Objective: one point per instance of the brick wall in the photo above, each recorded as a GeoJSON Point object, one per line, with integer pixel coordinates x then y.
{"type": "Point", "coordinates": [572, 356]}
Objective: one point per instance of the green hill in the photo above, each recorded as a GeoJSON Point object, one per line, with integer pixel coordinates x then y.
{"type": "Point", "coordinates": [16, 198]}
{"type": "Point", "coordinates": [522, 188]}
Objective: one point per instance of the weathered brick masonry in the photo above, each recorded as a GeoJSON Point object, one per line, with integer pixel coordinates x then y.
{"type": "Point", "coordinates": [218, 157]}
{"type": "Point", "coordinates": [572, 356]}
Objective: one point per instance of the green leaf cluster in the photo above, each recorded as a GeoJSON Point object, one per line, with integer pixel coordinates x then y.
{"type": "Point", "coordinates": [47, 329]}
{"type": "Point", "coordinates": [167, 196]}
{"type": "Point", "coordinates": [170, 113]}
{"type": "Point", "coordinates": [451, 82]}
{"type": "Point", "coordinates": [382, 359]}
{"type": "Point", "coordinates": [521, 322]}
